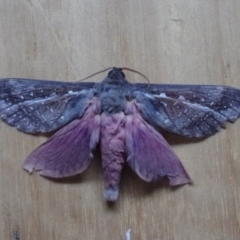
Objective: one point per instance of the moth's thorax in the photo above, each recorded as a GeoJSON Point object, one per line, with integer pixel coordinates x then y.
{"type": "Point", "coordinates": [113, 94]}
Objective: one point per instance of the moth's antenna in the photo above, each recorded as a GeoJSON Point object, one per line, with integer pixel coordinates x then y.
{"type": "Point", "coordinates": [135, 71]}
{"type": "Point", "coordinates": [94, 74]}
{"type": "Point", "coordinates": [123, 68]}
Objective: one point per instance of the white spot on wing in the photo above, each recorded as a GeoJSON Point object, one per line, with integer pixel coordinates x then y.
{"type": "Point", "coordinates": [149, 96]}
{"type": "Point", "coordinates": [182, 98]}
{"type": "Point", "coordinates": [163, 95]}
{"type": "Point", "coordinates": [166, 121]}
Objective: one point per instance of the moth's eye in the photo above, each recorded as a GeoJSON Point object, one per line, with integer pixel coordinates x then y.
{"type": "Point", "coordinates": [123, 75]}
{"type": "Point", "coordinates": [110, 73]}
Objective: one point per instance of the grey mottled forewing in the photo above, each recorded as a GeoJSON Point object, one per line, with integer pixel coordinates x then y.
{"type": "Point", "coordinates": [188, 110]}
{"type": "Point", "coordinates": [42, 106]}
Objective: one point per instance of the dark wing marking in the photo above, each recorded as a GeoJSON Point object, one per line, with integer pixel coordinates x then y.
{"type": "Point", "coordinates": [188, 110]}
{"type": "Point", "coordinates": [42, 106]}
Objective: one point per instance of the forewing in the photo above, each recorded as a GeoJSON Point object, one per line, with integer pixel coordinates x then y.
{"type": "Point", "coordinates": [188, 110]}
{"type": "Point", "coordinates": [42, 106]}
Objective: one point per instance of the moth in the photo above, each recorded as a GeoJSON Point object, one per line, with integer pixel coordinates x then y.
{"type": "Point", "coordinates": [125, 119]}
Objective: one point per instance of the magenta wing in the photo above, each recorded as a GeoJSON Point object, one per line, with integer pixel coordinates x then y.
{"type": "Point", "coordinates": [69, 151]}
{"type": "Point", "coordinates": [149, 155]}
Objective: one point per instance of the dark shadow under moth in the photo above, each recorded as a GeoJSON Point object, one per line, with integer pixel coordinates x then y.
{"type": "Point", "coordinates": [124, 118]}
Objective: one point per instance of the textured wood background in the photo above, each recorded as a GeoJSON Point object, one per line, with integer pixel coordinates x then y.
{"type": "Point", "coordinates": [176, 41]}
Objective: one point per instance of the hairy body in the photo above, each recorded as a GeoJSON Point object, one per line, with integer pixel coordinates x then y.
{"type": "Point", "coordinates": [124, 118]}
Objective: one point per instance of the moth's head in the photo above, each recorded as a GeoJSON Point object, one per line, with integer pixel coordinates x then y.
{"type": "Point", "coordinates": [116, 73]}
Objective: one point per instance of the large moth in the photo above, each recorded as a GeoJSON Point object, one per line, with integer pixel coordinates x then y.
{"type": "Point", "coordinates": [124, 118]}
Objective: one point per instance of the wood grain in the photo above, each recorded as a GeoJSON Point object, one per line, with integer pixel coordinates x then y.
{"type": "Point", "coordinates": [176, 41]}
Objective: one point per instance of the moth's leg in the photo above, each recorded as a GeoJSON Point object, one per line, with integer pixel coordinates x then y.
{"type": "Point", "coordinates": [113, 152]}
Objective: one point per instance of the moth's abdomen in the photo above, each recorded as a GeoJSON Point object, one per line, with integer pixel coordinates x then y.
{"type": "Point", "coordinates": [113, 151]}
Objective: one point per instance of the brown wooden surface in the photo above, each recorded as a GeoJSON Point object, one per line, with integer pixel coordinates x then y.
{"type": "Point", "coordinates": [192, 42]}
